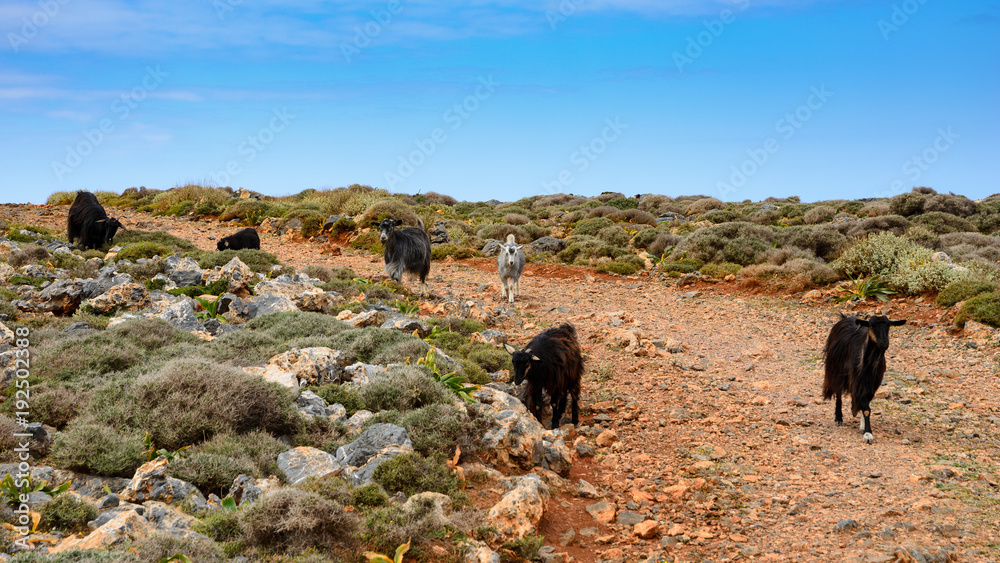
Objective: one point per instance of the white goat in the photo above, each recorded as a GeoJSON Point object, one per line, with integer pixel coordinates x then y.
{"type": "Point", "coordinates": [510, 264]}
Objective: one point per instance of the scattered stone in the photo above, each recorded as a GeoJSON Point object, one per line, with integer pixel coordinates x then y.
{"type": "Point", "coordinates": [629, 518]}
{"type": "Point", "coordinates": [182, 317]}
{"type": "Point", "coordinates": [520, 510]}
{"type": "Point", "coordinates": [647, 529]}
{"type": "Point", "coordinates": [298, 464]}
{"type": "Point", "coordinates": [846, 526]}
{"type": "Point", "coordinates": [408, 325]}
{"type": "Point", "coordinates": [376, 445]}
{"type": "Point", "coordinates": [151, 482]}
{"type": "Point", "coordinates": [603, 512]}
{"type": "Point", "coordinates": [607, 438]}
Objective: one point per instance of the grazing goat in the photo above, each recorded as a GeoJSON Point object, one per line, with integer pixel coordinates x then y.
{"type": "Point", "coordinates": [855, 362]}
{"type": "Point", "coordinates": [510, 264]}
{"type": "Point", "coordinates": [89, 223]}
{"type": "Point", "coordinates": [407, 249]}
{"type": "Point", "coordinates": [247, 238]}
{"type": "Point", "coordinates": [552, 362]}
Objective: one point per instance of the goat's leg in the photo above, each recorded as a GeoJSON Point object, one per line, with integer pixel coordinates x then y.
{"type": "Point", "coordinates": [866, 422]}
{"type": "Point", "coordinates": [838, 413]}
{"type": "Point", "coordinates": [558, 408]}
{"type": "Point", "coordinates": [536, 406]}
{"type": "Point", "coordinates": [510, 290]}
{"type": "Point", "coordinates": [503, 288]}
{"type": "Point", "coordinates": [576, 409]}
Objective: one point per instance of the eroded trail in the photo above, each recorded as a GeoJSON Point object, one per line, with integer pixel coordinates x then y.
{"type": "Point", "coordinates": [725, 442]}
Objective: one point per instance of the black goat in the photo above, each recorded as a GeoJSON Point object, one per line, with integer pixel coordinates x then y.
{"type": "Point", "coordinates": [247, 238]}
{"type": "Point", "coordinates": [407, 249]}
{"type": "Point", "coordinates": [89, 223]}
{"type": "Point", "coordinates": [855, 363]}
{"type": "Point", "coordinates": [552, 362]}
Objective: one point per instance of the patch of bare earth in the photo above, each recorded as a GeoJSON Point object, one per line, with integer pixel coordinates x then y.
{"type": "Point", "coordinates": [726, 442]}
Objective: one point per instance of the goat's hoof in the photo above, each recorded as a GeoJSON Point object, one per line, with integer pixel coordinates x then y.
{"type": "Point", "coordinates": [839, 422]}
{"type": "Point", "coordinates": [869, 438]}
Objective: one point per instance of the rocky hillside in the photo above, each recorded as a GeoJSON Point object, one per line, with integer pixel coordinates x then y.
{"type": "Point", "coordinates": [167, 378]}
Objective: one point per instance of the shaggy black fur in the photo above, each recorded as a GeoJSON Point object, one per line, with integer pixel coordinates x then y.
{"type": "Point", "coordinates": [855, 364]}
{"type": "Point", "coordinates": [407, 249]}
{"type": "Point", "coordinates": [89, 223]}
{"type": "Point", "coordinates": [247, 238]}
{"type": "Point", "coordinates": [552, 362]}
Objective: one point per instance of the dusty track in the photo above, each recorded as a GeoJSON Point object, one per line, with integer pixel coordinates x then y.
{"type": "Point", "coordinates": [748, 419]}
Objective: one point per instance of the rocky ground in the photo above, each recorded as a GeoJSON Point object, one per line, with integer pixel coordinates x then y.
{"type": "Point", "coordinates": [713, 439]}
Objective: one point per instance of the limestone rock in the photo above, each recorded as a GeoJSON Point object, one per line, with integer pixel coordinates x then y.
{"type": "Point", "coordinates": [184, 271]}
{"type": "Point", "coordinates": [151, 482]}
{"type": "Point", "coordinates": [603, 512]}
{"type": "Point", "coordinates": [181, 316]}
{"type": "Point", "coordinates": [247, 489]}
{"type": "Point", "coordinates": [546, 244]}
{"type": "Point", "coordinates": [131, 296]}
{"type": "Point", "coordinates": [127, 526]}
{"type": "Point", "coordinates": [405, 324]}
{"type": "Point", "coordinates": [520, 510]}
{"type": "Point", "coordinates": [270, 303]}
{"type": "Point", "coordinates": [297, 464]}
{"type": "Point", "coordinates": [300, 291]}
{"type": "Point", "coordinates": [61, 298]}
{"type": "Point", "coordinates": [315, 366]}
{"type": "Point", "coordinates": [237, 275]}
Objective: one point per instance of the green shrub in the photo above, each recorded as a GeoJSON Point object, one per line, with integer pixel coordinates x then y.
{"type": "Point", "coordinates": [880, 254]}
{"type": "Point", "coordinates": [663, 243]}
{"type": "Point", "coordinates": [368, 241]}
{"type": "Point", "coordinates": [680, 266]}
{"type": "Point", "coordinates": [744, 250]}
{"type": "Point", "coordinates": [941, 223]}
{"type": "Point", "coordinates": [486, 356]}
{"type": "Point", "coordinates": [387, 208]}
{"type": "Point", "coordinates": [871, 209]}
{"type": "Point", "coordinates": [75, 556]}
{"type": "Point", "coordinates": [312, 226]}
{"type": "Point", "coordinates": [583, 249]}
{"type": "Point", "coordinates": [707, 244]}
{"type": "Point", "coordinates": [217, 287]}
{"type": "Point", "coordinates": [249, 211]}
{"type": "Point", "coordinates": [499, 231]}
{"type": "Point", "coordinates": [623, 203]}
{"type": "Point", "coordinates": [370, 496]}
{"type": "Point", "coordinates": [439, 428]}
{"type": "Point", "coordinates": [211, 473]}
{"type": "Point", "coordinates": [331, 487]}
{"type": "Point", "coordinates": [963, 290]}
{"type": "Point", "coordinates": [705, 204]}
{"type": "Point", "coordinates": [189, 400]}
{"type": "Point", "coordinates": [895, 224]}
{"type": "Point", "coordinates": [246, 347]}
{"type": "Point", "coordinates": [983, 308]}
{"type": "Point", "coordinates": [614, 235]}
{"type": "Point", "coordinates": [908, 204]}
{"type": "Point", "coordinates": [822, 241]}
{"type": "Point", "coordinates": [67, 513]}
{"type": "Point", "coordinates": [403, 389]}
{"type": "Point", "coordinates": [720, 269]}
{"type": "Point", "coordinates": [391, 526]}
{"type": "Point", "coordinates": [620, 268]}
{"type": "Point", "coordinates": [221, 525]}
{"type": "Point", "coordinates": [291, 520]}
{"type": "Point", "coordinates": [53, 405]}
{"type": "Point", "coordinates": [343, 225]}
{"type": "Point", "coordinates": [457, 324]}
{"type": "Point", "coordinates": [819, 214]}
{"type": "Point", "coordinates": [61, 198]}
{"type": "Point", "coordinates": [413, 473]}
{"type": "Point", "coordinates": [525, 548]}
{"type": "Point", "coordinates": [289, 325]}
{"type": "Point", "coordinates": [951, 204]}
{"type": "Point", "coordinates": [98, 449]}
{"type": "Point", "coordinates": [592, 226]}
{"type": "Point", "coordinates": [7, 309]}
{"type": "Point", "coordinates": [258, 260]}
{"type": "Point", "coordinates": [175, 244]}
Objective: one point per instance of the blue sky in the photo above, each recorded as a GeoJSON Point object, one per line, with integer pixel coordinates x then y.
{"type": "Point", "coordinates": [736, 99]}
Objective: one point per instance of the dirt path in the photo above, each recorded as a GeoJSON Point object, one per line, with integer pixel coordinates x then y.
{"type": "Point", "coordinates": [726, 442]}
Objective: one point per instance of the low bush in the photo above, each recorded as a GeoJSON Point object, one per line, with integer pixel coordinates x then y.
{"type": "Point", "coordinates": [951, 204]}
{"type": "Point", "coordinates": [403, 389]}
{"type": "Point", "coordinates": [391, 526]}
{"type": "Point", "coordinates": [983, 308]}
{"type": "Point", "coordinates": [259, 261]}
{"type": "Point", "coordinates": [249, 211]}
{"type": "Point", "coordinates": [98, 449]}
{"type": "Point", "coordinates": [499, 231]}
{"type": "Point", "coordinates": [822, 241]}
{"type": "Point", "coordinates": [962, 290]}
{"type": "Point", "coordinates": [67, 513]}
{"type": "Point", "coordinates": [413, 473]}
{"type": "Point", "coordinates": [289, 325]}
{"type": "Point", "coordinates": [894, 224]}
{"type": "Point", "coordinates": [614, 235]}
{"type": "Point", "coordinates": [442, 251]}
{"type": "Point", "coordinates": [189, 400]}
{"type": "Point", "coordinates": [211, 473]}
{"type": "Point", "coordinates": [819, 214]}
{"type": "Point", "coordinates": [516, 219]}
{"type": "Point", "coordinates": [370, 496]}
{"type": "Point", "coordinates": [941, 223]}
{"type": "Point", "coordinates": [704, 205]}
{"type": "Point", "coordinates": [663, 243]}
{"type": "Point", "coordinates": [368, 241]}
{"type": "Point", "coordinates": [386, 208]}
{"type": "Point", "coordinates": [908, 204]}
{"type": "Point", "coordinates": [583, 249]}
{"type": "Point", "coordinates": [709, 244]}
{"type": "Point", "coordinates": [680, 266]}
{"type": "Point", "coordinates": [876, 208]}
{"type": "Point", "coordinates": [292, 520]}
{"type": "Point", "coordinates": [175, 244]}
{"type": "Point", "coordinates": [28, 254]}
{"type": "Point", "coordinates": [592, 226]}
{"type": "Point", "coordinates": [720, 269]}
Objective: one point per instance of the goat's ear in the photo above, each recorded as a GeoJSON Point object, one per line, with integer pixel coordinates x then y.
{"type": "Point", "coordinates": [398, 222]}
{"type": "Point", "coordinates": [375, 223]}
{"type": "Point", "coordinates": [900, 322]}
{"type": "Point", "coordinates": [862, 322]}
{"type": "Point", "coordinates": [509, 348]}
